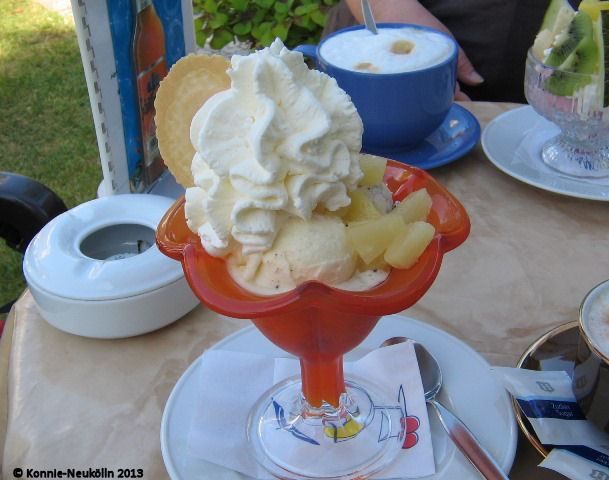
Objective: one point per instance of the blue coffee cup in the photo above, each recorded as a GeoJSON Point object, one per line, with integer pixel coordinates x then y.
{"type": "Point", "coordinates": [399, 110]}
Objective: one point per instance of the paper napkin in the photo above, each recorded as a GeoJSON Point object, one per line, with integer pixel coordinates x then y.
{"type": "Point", "coordinates": [231, 382]}
{"type": "Point", "coordinates": [578, 449]}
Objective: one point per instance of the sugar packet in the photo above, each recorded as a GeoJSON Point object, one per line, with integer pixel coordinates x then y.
{"type": "Point", "coordinates": [578, 449]}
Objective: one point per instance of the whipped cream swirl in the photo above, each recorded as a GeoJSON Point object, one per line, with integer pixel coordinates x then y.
{"type": "Point", "coordinates": [282, 141]}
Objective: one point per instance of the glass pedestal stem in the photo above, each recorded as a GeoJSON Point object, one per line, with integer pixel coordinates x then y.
{"type": "Point", "coordinates": [322, 380]}
{"type": "Point", "coordinates": [291, 438]}
{"type": "Point", "coordinates": [580, 157]}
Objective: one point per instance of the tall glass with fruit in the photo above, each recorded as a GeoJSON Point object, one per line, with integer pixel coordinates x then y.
{"type": "Point", "coordinates": [319, 245]}
{"type": "Point", "coordinates": [566, 82]}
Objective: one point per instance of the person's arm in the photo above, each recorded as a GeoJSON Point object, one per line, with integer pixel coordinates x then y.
{"type": "Point", "coordinates": [411, 11]}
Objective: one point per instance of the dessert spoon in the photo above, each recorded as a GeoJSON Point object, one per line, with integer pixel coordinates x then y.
{"type": "Point", "coordinates": [368, 17]}
{"type": "Point", "coordinates": [464, 439]}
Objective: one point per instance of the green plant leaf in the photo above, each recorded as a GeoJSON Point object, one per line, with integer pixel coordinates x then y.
{"type": "Point", "coordinates": [318, 17]}
{"type": "Point", "coordinates": [210, 6]}
{"type": "Point", "coordinates": [281, 7]}
{"type": "Point", "coordinates": [280, 17]}
{"type": "Point", "coordinates": [239, 5]}
{"type": "Point", "coordinates": [262, 29]}
{"type": "Point", "coordinates": [242, 28]}
{"type": "Point", "coordinates": [267, 38]}
{"type": "Point", "coordinates": [202, 31]}
{"type": "Point", "coordinates": [306, 23]}
{"type": "Point", "coordinates": [306, 9]}
{"type": "Point", "coordinates": [264, 3]}
{"type": "Point", "coordinates": [258, 17]}
{"type": "Point", "coordinates": [201, 38]}
{"type": "Point", "coordinates": [218, 20]}
{"type": "Point", "coordinates": [265, 27]}
{"type": "Point", "coordinates": [280, 31]}
{"type": "Point", "coordinates": [221, 38]}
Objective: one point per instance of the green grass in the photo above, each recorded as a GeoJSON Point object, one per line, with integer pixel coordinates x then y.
{"type": "Point", "coordinates": [46, 128]}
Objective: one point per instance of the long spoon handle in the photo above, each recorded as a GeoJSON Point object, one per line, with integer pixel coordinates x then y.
{"type": "Point", "coordinates": [368, 17]}
{"type": "Point", "coordinates": [468, 444]}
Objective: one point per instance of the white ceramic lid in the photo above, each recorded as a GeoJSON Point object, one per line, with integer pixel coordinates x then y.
{"type": "Point", "coordinates": [109, 230]}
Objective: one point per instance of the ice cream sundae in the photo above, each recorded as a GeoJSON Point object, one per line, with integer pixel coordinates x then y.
{"type": "Point", "coordinates": [279, 187]}
{"type": "Point", "coordinates": [285, 223]}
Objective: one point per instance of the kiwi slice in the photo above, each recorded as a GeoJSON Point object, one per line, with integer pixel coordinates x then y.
{"type": "Point", "coordinates": [583, 60]}
{"type": "Point", "coordinates": [579, 29]}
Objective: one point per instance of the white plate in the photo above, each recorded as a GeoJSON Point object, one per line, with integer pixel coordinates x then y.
{"type": "Point", "coordinates": [469, 390]}
{"type": "Point", "coordinates": [512, 141]}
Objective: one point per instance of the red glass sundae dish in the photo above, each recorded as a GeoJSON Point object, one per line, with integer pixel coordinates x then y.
{"type": "Point", "coordinates": [288, 225]}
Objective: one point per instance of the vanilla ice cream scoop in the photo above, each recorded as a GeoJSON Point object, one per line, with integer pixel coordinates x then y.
{"type": "Point", "coordinates": [316, 249]}
{"type": "Point", "coordinates": [281, 142]}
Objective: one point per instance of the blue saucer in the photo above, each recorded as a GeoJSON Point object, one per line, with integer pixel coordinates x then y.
{"type": "Point", "coordinates": [457, 135]}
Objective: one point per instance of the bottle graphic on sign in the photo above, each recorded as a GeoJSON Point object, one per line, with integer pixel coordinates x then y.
{"type": "Point", "coordinates": [149, 58]}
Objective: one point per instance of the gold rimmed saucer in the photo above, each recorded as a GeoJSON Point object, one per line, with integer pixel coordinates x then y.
{"type": "Point", "coordinates": [554, 350]}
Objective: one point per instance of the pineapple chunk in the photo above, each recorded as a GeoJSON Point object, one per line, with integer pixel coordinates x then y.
{"type": "Point", "coordinates": [361, 208]}
{"type": "Point", "coordinates": [378, 263]}
{"type": "Point", "coordinates": [415, 207]}
{"type": "Point", "coordinates": [373, 168]}
{"type": "Point", "coordinates": [371, 238]}
{"type": "Point", "coordinates": [406, 248]}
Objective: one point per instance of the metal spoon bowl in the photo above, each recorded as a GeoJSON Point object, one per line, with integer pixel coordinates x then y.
{"type": "Point", "coordinates": [464, 439]}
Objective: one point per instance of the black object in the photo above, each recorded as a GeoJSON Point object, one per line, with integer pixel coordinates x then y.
{"type": "Point", "coordinates": [25, 207]}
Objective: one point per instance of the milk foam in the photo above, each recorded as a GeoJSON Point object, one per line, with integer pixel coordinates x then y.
{"type": "Point", "coordinates": [596, 320]}
{"type": "Point", "coordinates": [361, 50]}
